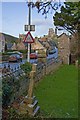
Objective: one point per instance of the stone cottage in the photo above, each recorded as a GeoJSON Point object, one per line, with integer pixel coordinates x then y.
{"type": "Point", "coordinates": [14, 47]}
{"type": "Point", "coordinates": [21, 46]}
{"type": "Point", "coordinates": [37, 45]}
{"type": "Point", "coordinates": [64, 48]}
{"type": "Point", "coordinates": [2, 43]}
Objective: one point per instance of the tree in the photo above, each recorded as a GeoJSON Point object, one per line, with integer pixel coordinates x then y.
{"type": "Point", "coordinates": [45, 6]}
{"type": "Point", "coordinates": [69, 17]}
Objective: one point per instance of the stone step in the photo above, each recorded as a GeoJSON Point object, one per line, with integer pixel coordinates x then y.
{"type": "Point", "coordinates": [36, 111]}
{"type": "Point", "coordinates": [28, 100]}
{"type": "Point", "coordinates": [27, 97]}
{"type": "Point", "coordinates": [31, 107]}
{"type": "Point", "coordinates": [34, 104]}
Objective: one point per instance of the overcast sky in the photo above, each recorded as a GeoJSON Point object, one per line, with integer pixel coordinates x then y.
{"type": "Point", "coordinates": [15, 16]}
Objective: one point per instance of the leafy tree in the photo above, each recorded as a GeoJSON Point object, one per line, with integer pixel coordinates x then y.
{"type": "Point", "coordinates": [69, 17]}
{"type": "Point", "coordinates": [45, 6]}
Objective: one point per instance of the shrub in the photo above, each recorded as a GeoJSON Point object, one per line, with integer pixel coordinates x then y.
{"type": "Point", "coordinates": [23, 51]}
{"type": "Point", "coordinates": [6, 94]}
{"type": "Point", "coordinates": [26, 67]}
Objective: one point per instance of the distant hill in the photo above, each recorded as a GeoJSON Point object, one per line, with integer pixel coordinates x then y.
{"type": "Point", "coordinates": [10, 38]}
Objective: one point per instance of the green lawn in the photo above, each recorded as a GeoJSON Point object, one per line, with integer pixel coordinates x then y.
{"type": "Point", "coordinates": [57, 93]}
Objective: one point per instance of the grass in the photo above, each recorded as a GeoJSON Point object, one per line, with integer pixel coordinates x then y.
{"type": "Point", "coordinates": [57, 93]}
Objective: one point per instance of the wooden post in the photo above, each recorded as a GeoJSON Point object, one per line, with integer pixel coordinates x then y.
{"type": "Point", "coordinates": [31, 85]}
{"type": "Point", "coordinates": [34, 67]}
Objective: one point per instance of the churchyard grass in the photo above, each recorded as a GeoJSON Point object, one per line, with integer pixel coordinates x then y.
{"type": "Point", "coordinates": [57, 93]}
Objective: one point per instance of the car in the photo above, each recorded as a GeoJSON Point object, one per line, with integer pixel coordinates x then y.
{"type": "Point", "coordinates": [52, 51]}
{"type": "Point", "coordinates": [14, 58]}
{"type": "Point", "coordinates": [16, 52]}
{"type": "Point", "coordinates": [21, 55]}
{"type": "Point", "coordinates": [33, 56]}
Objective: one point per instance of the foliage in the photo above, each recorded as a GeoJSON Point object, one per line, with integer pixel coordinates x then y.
{"type": "Point", "coordinates": [6, 52]}
{"type": "Point", "coordinates": [14, 115]}
{"type": "Point", "coordinates": [11, 84]}
{"type": "Point", "coordinates": [6, 94]}
{"type": "Point", "coordinates": [26, 67]}
{"type": "Point", "coordinates": [45, 6]}
{"type": "Point", "coordinates": [7, 90]}
{"type": "Point", "coordinates": [58, 95]}
{"type": "Point", "coordinates": [69, 17]}
{"type": "Point", "coordinates": [79, 60]}
{"type": "Point", "coordinates": [23, 51]}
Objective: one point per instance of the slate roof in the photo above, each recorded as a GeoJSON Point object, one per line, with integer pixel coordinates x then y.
{"type": "Point", "coordinates": [9, 45]}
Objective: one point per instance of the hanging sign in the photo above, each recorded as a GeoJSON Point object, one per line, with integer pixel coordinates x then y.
{"type": "Point", "coordinates": [29, 27]}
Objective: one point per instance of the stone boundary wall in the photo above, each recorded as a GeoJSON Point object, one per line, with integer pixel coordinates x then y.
{"type": "Point", "coordinates": [42, 69]}
{"type": "Point", "coordinates": [17, 81]}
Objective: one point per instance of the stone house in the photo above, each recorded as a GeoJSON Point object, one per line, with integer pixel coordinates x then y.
{"type": "Point", "coordinates": [2, 43]}
{"type": "Point", "coordinates": [21, 46]}
{"type": "Point", "coordinates": [37, 45]}
{"type": "Point", "coordinates": [48, 43]}
{"type": "Point", "coordinates": [6, 42]}
{"type": "Point", "coordinates": [21, 39]}
{"type": "Point", "coordinates": [45, 43]}
{"type": "Point", "coordinates": [64, 48]}
{"type": "Point", "coordinates": [18, 46]}
{"type": "Point", "coordinates": [9, 46]}
{"type": "Point", "coordinates": [39, 48]}
{"type": "Point", "coordinates": [22, 36]}
{"type": "Point", "coordinates": [74, 43]}
{"type": "Point", "coordinates": [74, 47]}
{"type": "Point", "coordinates": [51, 33]}
{"type": "Point", "coordinates": [14, 47]}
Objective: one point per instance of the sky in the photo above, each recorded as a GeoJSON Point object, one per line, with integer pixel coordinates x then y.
{"type": "Point", "coordinates": [15, 15]}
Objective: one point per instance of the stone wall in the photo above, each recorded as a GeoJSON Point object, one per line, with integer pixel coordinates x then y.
{"type": "Point", "coordinates": [42, 69]}
{"type": "Point", "coordinates": [15, 82]}
{"type": "Point", "coordinates": [18, 82]}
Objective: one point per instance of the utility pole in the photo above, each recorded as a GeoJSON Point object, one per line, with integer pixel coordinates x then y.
{"type": "Point", "coordinates": [29, 39]}
{"type": "Point", "coordinates": [29, 22]}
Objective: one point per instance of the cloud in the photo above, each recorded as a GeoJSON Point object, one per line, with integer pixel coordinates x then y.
{"type": "Point", "coordinates": [12, 0]}
{"type": "Point", "coordinates": [41, 22]}
{"type": "Point", "coordinates": [42, 29]}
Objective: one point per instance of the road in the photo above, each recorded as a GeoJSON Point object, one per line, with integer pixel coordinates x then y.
{"type": "Point", "coordinates": [17, 64]}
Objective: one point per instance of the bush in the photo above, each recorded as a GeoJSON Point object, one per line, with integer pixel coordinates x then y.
{"type": "Point", "coordinates": [26, 67]}
{"type": "Point", "coordinates": [23, 51]}
{"type": "Point", "coordinates": [6, 94]}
